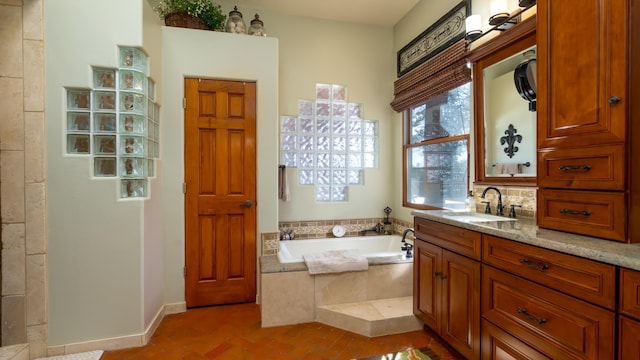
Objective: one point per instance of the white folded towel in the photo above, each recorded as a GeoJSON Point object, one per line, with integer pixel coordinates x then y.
{"type": "Point", "coordinates": [508, 168]}
{"type": "Point", "coordinates": [335, 261]}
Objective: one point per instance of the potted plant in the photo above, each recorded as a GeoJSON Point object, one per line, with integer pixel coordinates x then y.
{"type": "Point", "coordinates": [197, 14]}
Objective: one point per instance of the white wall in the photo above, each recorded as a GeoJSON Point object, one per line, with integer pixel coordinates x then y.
{"type": "Point", "coordinates": [94, 240]}
{"type": "Point", "coordinates": [153, 246]}
{"type": "Point", "coordinates": [195, 53]}
{"type": "Point", "coordinates": [356, 56]}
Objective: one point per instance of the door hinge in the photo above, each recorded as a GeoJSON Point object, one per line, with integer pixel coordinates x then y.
{"type": "Point", "coordinates": [184, 271]}
{"type": "Point", "coordinates": [184, 187]}
{"type": "Point", "coordinates": [184, 103]}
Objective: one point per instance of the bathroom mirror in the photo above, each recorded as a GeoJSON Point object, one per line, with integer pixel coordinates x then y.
{"type": "Point", "coordinates": [504, 86]}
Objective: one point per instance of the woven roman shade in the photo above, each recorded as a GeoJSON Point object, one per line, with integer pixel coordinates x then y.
{"type": "Point", "coordinates": [438, 75]}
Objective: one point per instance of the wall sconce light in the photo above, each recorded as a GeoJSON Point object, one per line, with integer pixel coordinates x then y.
{"type": "Point", "coordinates": [501, 19]}
{"type": "Point", "coordinates": [474, 27]}
{"type": "Point", "coordinates": [499, 12]}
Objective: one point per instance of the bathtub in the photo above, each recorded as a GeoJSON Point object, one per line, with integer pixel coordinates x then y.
{"type": "Point", "coordinates": [376, 248]}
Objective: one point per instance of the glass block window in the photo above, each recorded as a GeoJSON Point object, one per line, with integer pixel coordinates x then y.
{"type": "Point", "coordinates": [330, 142]}
{"type": "Point", "coordinates": [117, 123]}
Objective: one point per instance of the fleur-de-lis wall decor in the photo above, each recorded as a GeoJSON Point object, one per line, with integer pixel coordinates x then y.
{"type": "Point", "coordinates": [510, 139]}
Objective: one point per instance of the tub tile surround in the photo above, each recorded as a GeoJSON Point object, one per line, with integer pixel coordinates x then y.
{"type": "Point", "coordinates": [291, 297]}
{"type": "Point", "coordinates": [318, 229]}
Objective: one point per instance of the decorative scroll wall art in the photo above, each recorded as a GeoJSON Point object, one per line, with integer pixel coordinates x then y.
{"type": "Point", "coordinates": [446, 31]}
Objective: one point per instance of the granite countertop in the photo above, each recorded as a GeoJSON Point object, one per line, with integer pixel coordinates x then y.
{"type": "Point", "coordinates": [525, 231]}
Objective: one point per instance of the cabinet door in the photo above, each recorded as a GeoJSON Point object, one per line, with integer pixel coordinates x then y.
{"type": "Point", "coordinates": [629, 338]}
{"type": "Point", "coordinates": [427, 301]}
{"type": "Point", "coordinates": [461, 303]}
{"type": "Point", "coordinates": [582, 72]}
{"type": "Point", "coordinates": [630, 293]}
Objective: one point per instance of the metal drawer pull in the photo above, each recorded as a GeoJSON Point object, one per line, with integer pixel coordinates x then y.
{"type": "Point", "coordinates": [575, 212]}
{"type": "Point", "coordinates": [575, 167]}
{"type": "Point", "coordinates": [542, 267]}
{"type": "Point", "coordinates": [524, 313]}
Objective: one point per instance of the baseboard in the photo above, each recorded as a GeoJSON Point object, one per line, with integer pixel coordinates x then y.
{"type": "Point", "coordinates": [175, 308]}
{"type": "Point", "coordinates": [121, 342]}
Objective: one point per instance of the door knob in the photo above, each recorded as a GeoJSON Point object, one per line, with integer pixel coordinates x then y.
{"type": "Point", "coordinates": [247, 204]}
{"type": "Point", "coordinates": [614, 100]}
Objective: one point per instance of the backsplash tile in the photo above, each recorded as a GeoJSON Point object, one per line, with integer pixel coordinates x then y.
{"type": "Point", "coordinates": [518, 195]}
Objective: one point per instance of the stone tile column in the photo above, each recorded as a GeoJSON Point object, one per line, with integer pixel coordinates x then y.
{"type": "Point", "coordinates": [22, 175]}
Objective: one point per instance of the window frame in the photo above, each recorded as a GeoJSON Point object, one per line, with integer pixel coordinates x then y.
{"type": "Point", "coordinates": [406, 146]}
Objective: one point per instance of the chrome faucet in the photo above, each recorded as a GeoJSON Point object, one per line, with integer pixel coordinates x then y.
{"type": "Point", "coordinates": [499, 207]}
{"type": "Point", "coordinates": [405, 245]}
{"type": "Point", "coordinates": [378, 229]}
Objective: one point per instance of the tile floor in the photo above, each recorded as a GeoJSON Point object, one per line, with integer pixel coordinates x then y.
{"type": "Point", "coordinates": [234, 332]}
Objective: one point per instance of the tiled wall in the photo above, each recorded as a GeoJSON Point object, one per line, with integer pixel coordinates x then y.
{"type": "Point", "coordinates": [22, 175]}
{"type": "Point", "coordinates": [317, 229]}
{"type": "Point", "coordinates": [518, 195]}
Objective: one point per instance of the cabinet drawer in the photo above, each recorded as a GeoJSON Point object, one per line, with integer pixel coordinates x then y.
{"type": "Point", "coordinates": [499, 345]}
{"type": "Point", "coordinates": [591, 213]}
{"type": "Point", "coordinates": [630, 293]}
{"type": "Point", "coordinates": [560, 326]}
{"type": "Point", "coordinates": [592, 168]}
{"type": "Point", "coordinates": [459, 240]}
{"type": "Point", "coordinates": [586, 279]}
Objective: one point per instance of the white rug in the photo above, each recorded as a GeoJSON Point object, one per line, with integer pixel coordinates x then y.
{"type": "Point", "coordinates": [90, 355]}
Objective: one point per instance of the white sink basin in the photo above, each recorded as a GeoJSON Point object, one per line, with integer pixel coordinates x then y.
{"type": "Point", "coordinates": [475, 217]}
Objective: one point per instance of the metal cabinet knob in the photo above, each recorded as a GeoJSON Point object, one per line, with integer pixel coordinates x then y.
{"type": "Point", "coordinates": [614, 100]}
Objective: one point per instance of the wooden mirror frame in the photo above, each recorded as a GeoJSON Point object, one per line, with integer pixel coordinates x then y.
{"type": "Point", "coordinates": [512, 41]}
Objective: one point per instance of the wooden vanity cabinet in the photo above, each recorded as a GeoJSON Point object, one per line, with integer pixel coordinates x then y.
{"type": "Point", "coordinates": [555, 324]}
{"type": "Point", "coordinates": [447, 284]}
{"type": "Point", "coordinates": [629, 320]}
{"type": "Point", "coordinates": [582, 278]}
{"type": "Point", "coordinates": [546, 300]}
{"type": "Point", "coordinates": [586, 83]}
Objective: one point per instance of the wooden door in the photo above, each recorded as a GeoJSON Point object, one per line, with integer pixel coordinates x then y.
{"type": "Point", "coordinates": [220, 176]}
{"type": "Point", "coordinates": [461, 303]}
{"type": "Point", "coordinates": [427, 284]}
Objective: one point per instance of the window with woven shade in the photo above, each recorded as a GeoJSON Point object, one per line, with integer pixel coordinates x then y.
{"type": "Point", "coordinates": [440, 74]}
{"type": "Point", "coordinates": [435, 99]}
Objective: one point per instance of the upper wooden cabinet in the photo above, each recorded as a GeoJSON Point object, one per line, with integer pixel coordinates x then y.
{"type": "Point", "coordinates": [588, 134]}
{"type": "Point", "coordinates": [583, 96]}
